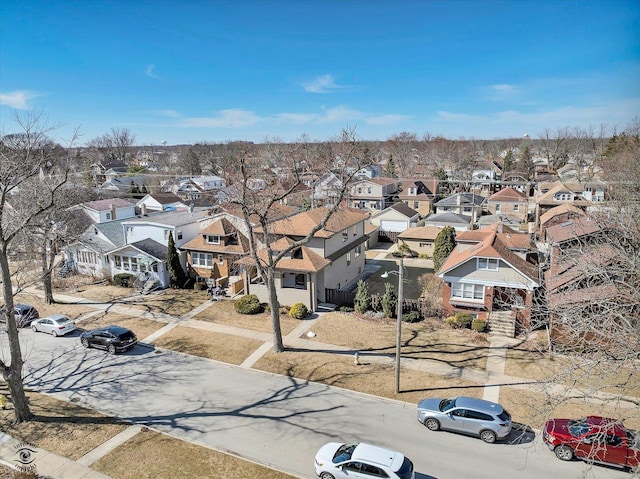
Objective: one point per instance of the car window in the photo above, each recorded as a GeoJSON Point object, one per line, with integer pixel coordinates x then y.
{"type": "Point", "coordinates": [372, 470]}
{"type": "Point", "coordinates": [613, 440]}
{"type": "Point", "coordinates": [479, 415]}
{"type": "Point", "coordinates": [504, 416]}
{"type": "Point", "coordinates": [63, 320]}
{"type": "Point", "coordinates": [352, 466]}
{"type": "Point", "coordinates": [459, 413]}
{"type": "Point", "coordinates": [578, 428]}
{"type": "Point", "coordinates": [406, 470]}
{"type": "Point", "coordinates": [125, 336]}
{"type": "Point", "coordinates": [446, 404]}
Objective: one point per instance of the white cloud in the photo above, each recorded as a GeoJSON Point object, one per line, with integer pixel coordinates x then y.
{"type": "Point", "coordinates": [150, 72]}
{"type": "Point", "coordinates": [232, 118]}
{"type": "Point", "coordinates": [18, 99]}
{"type": "Point", "coordinates": [504, 92]}
{"type": "Point", "coordinates": [322, 84]}
{"type": "Point", "coordinates": [167, 113]}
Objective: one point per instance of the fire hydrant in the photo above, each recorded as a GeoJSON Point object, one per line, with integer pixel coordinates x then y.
{"type": "Point", "coordinates": [356, 358]}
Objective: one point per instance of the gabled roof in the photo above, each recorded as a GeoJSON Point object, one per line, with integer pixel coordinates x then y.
{"type": "Point", "coordinates": [147, 246]}
{"type": "Point", "coordinates": [509, 195]}
{"type": "Point", "coordinates": [222, 227]}
{"type": "Point", "coordinates": [421, 232]}
{"type": "Point", "coordinates": [559, 187]}
{"type": "Point", "coordinates": [111, 230]}
{"type": "Point", "coordinates": [307, 261]}
{"type": "Point", "coordinates": [561, 210]}
{"type": "Point", "coordinates": [509, 237]}
{"type": "Point", "coordinates": [465, 199]}
{"type": "Point", "coordinates": [598, 256]}
{"type": "Point", "coordinates": [571, 229]}
{"type": "Point", "coordinates": [492, 246]}
{"type": "Point", "coordinates": [486, 220]}
{"type": "Point", "coordinates": [106, 204]}
{"type": "Point", "coordinates": [302, 223]}
{"type": "Point", "coordinates": [425, 189]}
{"type": "Point", "coordinates": [163, 198]}
{"type": "Point", "coordinates": [168, 218]}
{"type": "Point", "coordinates": [401, 208]}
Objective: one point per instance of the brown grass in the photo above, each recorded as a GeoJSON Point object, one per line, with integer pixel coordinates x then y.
{"type": "Point", "coordinates": [369, 377]}
{"type": "Point", "coordinates": [61, 427]}
{"type": "Point", "coordinates": [424, 340]}
{"type": "Point", "coordinates": [175, 302]}
{"type": "Point", "coordinates": [534, 408]}
{"type": "Point", "coordinates": [142, 327]}
{"type": "Point", "coordinates": [158, 456]}
{"type": "Point", "coordinates": [223, 312]}
{"type": "Point", "coordinates": [206, 344]}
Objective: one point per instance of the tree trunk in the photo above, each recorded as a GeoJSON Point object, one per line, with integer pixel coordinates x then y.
{"type": "Point", "coordinates": [12, 373]}
{"type": "Point", "coordinates": [46, 279]}
{"type": "Point", "coordinates": [278, 344]}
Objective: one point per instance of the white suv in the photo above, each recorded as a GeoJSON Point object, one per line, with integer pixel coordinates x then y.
{"type": "Point", "coordinates": [339, 461]}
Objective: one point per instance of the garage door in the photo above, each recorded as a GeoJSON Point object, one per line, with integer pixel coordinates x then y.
{"type": "Point", "coordinates": [397, 226]}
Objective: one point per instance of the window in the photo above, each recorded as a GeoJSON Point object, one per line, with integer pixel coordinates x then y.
{"type": "Point", "coordinates": [354, 231]}
{"type": "Point", "coordinates": [369, 190]}
{"type": "Point", "coordinates": [357, 251]}
{"type": "Point", "coordinates": [220, 259]}
{"type": "Point", "coordinates": [129, 230]}
{"type": "Point", "coordinates": [479, 415]}
{"type": "Point", "coordinates": [345, 236]}
{"type": "Point", "coordinates": [118, 261]}
{"type": "Point", "coordinates": [213, 239]}
{"type": "Point", "coordinates": [467, 291]}
{"type": "Point", "coordinates": [202, 259]}
{"type": "Point", "coordinates": [166, 234]}
{"type": "Point", "coordinates": [108, 216]}
{"type": "Point", "coordinates": [301, 279]}
{"type": "Point", "coordinates": [134, 263]}
{"type": "Point", "coordinates": [179, 234]}
{"type": "Point", "coordinates": [516, 207]}
{"type": "Point", "coordinates": [348, 258]}
{"type": "Point", "coordinates": [359, 190]}
{"type": "Point", "coordinates": [416, 205]}
{"type": "Point", "coordinates": [497, 207]}
{"type": "Point", "coordinates": [490, 264]}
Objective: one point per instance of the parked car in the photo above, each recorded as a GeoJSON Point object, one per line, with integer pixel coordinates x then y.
{"type": "Point", "coordinates": [593, 438]}
{"type": "Point", "coordinates": [56, 325]}
{"type": "Point", "coordinates": [338, 461]}
{"type": "Point", "coordinates": [485, 419]}
{"type": "Point", "coordinates": [114, 339]}
{"type": "Point", "coordinates": [24, 314]}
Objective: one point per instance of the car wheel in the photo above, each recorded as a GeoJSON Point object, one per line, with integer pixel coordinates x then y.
{"type": "Point", "coordinates": [326, 475]}
{"type": "Point", "coordinates": [432, 424]}
{"type": "Point", "coordinates": [563, 453]}
{"type": "Point", "coordinates": [488, 436]}
{"type": "Point", "coordinates": [85, 342]}
{"type": "Point", "coordinates": [111, 349]}
{"type": "Point", "coordinates": [34, 329]}
{"type": "Point", "coordinates": [54, 333]}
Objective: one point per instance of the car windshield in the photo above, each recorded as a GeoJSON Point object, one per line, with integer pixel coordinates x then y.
{"type": "Point", "coordinates": [447, 404]}
{"type": "Point", "coordinates": [63, 320]}
{"type": "Point", "coordinates": [578, 427]}
{"type": "Point", "coordinates": [504, 416]}
{"type": "Point", "coordinates": [126, 336]}
{"type": "Point", "coordinates": [406, 470]}
{"type": "Point", "coordinates": [344, 453]}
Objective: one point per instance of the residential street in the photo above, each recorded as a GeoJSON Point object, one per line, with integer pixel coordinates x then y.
{"type": "Point", "coordinates": [270, 419]}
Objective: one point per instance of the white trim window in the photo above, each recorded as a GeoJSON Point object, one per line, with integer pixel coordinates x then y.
{"type": "Point", "coordinates": [202, 259]}
{"type": "Point", "coordinates": [212, 239]}
{"type": "Point", "coordinates": [488, 264]}
{"type": "Point", "coordinates": [467, 291]}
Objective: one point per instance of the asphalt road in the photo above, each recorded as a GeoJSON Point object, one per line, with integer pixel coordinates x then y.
{"type": "Point", "coordinates": [271, 419]}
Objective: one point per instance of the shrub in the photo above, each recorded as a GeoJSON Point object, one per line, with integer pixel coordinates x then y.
{"type": "Point", "coordinates": [298, 311]}
{"type": "Point", "coordinates": [479, 325]}
{"type": "Point", "coordinates": [346, 309]}
{"type": "Point", "coordinates": [200, 286]}
{"type": "Point", "coordinates": [424, 256]}
{"type": "Point", "coordinates": [123, 279]}
{"type": "Point", "coordinates": [411, 317]}
{"type": "Point", "coordinates": [389, 301]}
{"type": "Point", "coordinates": [463, 320]}
{"type": "Point", "coordinates": [362, 301]}
{"type": "Point", "coordinates": [248, 304]}
{"type": "Point", "coordinates": [451, 321]}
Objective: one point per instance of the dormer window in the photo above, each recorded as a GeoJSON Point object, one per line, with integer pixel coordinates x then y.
{"type": "Point", "coordinates": [212, 239]}
{"type": "Point", "coordinates": [296, 253]}
{"type": "Point", "coordinates": [490, 264]}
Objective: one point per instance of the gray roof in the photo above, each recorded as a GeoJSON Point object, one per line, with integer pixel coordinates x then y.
{"type": "Point", "coordinates": [403, 209]}
{"type": "Point", "coordinates": [465, 199]}
{"type": "Point", "coordinates": [169, 218]}
{"type": "Point", "coordinates": [152, 248]}
{"type": "Point", "coordinates": [112, 230]}
{"type": "Point", "coordinates": [104, 205]}
{"type": "Point", "coordinates": [491, 219]}
{"type": "Point", "coordinates": [448, 218]}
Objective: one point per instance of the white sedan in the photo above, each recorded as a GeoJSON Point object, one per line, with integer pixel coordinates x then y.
{"type": "Point", "coordinates": [56, 325]}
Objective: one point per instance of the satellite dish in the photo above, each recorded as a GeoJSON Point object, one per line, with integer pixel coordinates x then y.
{"type": "Point", "coordinates": [164, 142]}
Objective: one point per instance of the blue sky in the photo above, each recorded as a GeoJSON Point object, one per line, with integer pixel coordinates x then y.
{"type": "Point", "coordinates": [192, 71]}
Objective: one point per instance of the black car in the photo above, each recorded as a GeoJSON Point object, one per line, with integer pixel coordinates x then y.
{"type": "Point", "coordinates": [114, 339]}
{"type": "Point", "coordinates": [24, 314]}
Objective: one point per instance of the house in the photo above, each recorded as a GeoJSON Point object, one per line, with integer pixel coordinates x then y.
{"type": "Point", "coordinates": [326, 190]}
{"type": "Point", "coordinates": [212, 255]}
{"type": "Point", "coordinates": [369, 171]}
{"type": "Point", "coordinates": [373, 194]}
{"type": "Point", "coordinates": [441, 220]}
{"type": "Point", "coordinates": [420, 239]}
{"type": "Point", "coordinates": [557, 215]}
{"type": "Point", "coordinates": [124, 184]}
{"type": "Point", "coordinates": [419, 194]}
{"type": "Point", "coordinates": [99, 169]}
{"type": "Point", "coordinates": [161, 202]}
{"type": "Point", "coordinates": [580, 195]}
{"type": "Point", "coordinates": [571, 234]}
{"type": "Point", "coordinates": [490, 275]}
{"type": "Point", "coordinates": [333, 259]}
{"type": "Point", "coordinates": [465, 204]}
{"type": "Point", "coordinates": [108, 209]}
{"type": "Point", "coordinates": [510, 202]}
{"type": "Point", "coordinates": [396, 218]}
{"type": "Point", "coordinates": [194, 187]}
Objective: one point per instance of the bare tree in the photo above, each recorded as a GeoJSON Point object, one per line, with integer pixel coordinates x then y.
{"type": "Point", "coordinates": [258, 201]}
{"type": "Point", "coordinates": [114, 146]}
{"type": "Point", "coordinates": [24, 157]}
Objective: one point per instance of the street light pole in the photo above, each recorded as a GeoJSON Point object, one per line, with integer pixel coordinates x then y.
{"type": "Point", "coordinates": [399, 324]}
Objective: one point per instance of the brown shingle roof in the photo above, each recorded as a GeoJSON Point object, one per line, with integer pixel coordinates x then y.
{"type": "Point", "coordinates": [572, 229]}
{"type": "Point", "coordinates": [302, 223]}
{"type": "Point", "coordinates": [421, 232]}
{"type": "Point", "coordinates": [509, 195]}
{"type": "Point", "coordinates": [560, 210]}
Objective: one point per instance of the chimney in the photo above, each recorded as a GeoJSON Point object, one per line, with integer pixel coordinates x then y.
{"type": "Point", "coordinates": [459, 199]}
{"type": "Point", "coordinates": [113, 212]}
{"type": "Point", "coordinates": [143, 209]}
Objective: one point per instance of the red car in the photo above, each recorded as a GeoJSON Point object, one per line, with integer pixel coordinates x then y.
{"type": "Point", "coordinates": [593, 438]}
